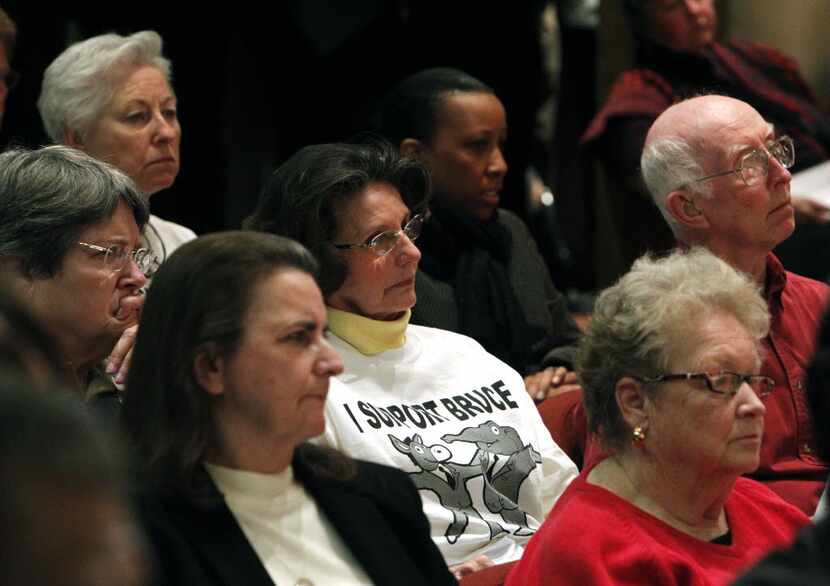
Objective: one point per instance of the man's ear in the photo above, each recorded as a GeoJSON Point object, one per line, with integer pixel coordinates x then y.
{"type": "Point", "coordinates": [73, 139]}
{"type": "Point", "coordinates": [209, 370]}
{"type": "Point", "coordinates": [412, 147]}
{"type": "Point", "coordinates": [685, 211]}
{"type": "Point", "coordinates": [632, 401]}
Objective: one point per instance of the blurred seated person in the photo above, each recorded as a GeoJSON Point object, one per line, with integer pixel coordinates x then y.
{"type": "Point", "coordinates": [70, 241]}
{"type": "Point", "coordinates": [25, 346]}
{"type": "Point", "coordinates": [428, 401]}
{"type": "Point", "coordinates": [63, 507]}
{"type": "Point", "coordinates": [8, 76]}
{"type": "Point", "coordinates": [229, 379]}
{"type": "Point", "coordinates": [480, 274]}
{"type": "Point", "coordinates": [111, 96]}
{"type": "Point", "coordinates": [677, 58]}
{"type": "Point", "coordinates": [807, 561]}
{"type": "Point", "coordinates": [670, 368]}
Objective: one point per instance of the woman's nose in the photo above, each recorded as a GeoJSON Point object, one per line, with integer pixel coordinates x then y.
{"type": "Point", "coordinates": [406, 251]}
{"type": "Point", "coordinates": [132, 275]}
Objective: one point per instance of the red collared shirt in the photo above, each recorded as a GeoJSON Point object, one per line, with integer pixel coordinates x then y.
{"type": "Point", "coordinates": [789, 465]}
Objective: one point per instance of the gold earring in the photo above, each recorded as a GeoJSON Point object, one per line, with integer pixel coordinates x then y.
{"type": "Point", "coordinates": [639, 435]}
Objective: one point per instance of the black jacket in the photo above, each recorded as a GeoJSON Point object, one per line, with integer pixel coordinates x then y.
{"type": "Point", "coordinates": [378, 514]}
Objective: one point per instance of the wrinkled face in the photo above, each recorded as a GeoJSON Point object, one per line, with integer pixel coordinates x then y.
{"type": "Point", "coordinates": [274, 386]}
{"type": "Point", "coordinates": [743, 218]}
{"type": "Point", "coordinates": [139, 131]}
{"type": "Point", "coordinates": [465, 154]}
{"type": "Point", "coordinates": [697, 430]}
{"type": "Point", "coordinates": [687, 26]}
{"type": "Point", "coordinates": [86, 305]}
{"type": "Point", "coordinates": [379, 287]}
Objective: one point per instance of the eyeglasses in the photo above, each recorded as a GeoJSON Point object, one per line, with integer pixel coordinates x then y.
{"type": "Point", "coordinates": [754, 165]}
{"type": "Point", "coordinates": [723, 383]}
{"type": "Point", "coordinates": [385, 242]}
{"type": "Point", "coordinates": [117, 256]}
{"type": "Point", "coordinates": [11, 78]}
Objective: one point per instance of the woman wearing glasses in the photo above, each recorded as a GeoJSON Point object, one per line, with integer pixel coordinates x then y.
{"type": "Point", "coordinates": [70, 237]}
{"type": "Point", "coordinates": [481, 274]}
{"type": "Point", "coordinates": [428, 401]}
{"type": "Point", "coordinates": [670, 370]}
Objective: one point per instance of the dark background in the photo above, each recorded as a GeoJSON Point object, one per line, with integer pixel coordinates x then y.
{"type": "Point", "coordinates": [257, 83]}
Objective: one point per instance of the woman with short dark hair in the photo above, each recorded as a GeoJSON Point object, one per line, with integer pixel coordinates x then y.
{"type": "Point", "coordinates": [229, 379]}
{"type": "Point", "coordinates": [428, 401]}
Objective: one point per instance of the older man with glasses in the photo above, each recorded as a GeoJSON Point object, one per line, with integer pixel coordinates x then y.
{"type": "Point", "coordinates": [719, 175]}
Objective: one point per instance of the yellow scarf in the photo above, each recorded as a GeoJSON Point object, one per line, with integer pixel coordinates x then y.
{"type": "Point", "coordinates": [369, 336]}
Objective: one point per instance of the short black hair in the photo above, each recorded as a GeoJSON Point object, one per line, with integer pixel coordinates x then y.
{"type": "Point", "coordinates": [410, 109]}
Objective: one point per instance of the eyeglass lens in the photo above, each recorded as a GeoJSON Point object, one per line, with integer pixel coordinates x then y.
{"type": "Point", "coordinates": [385, 242]}
{"type": "Point", "coordinates": [755, 165]}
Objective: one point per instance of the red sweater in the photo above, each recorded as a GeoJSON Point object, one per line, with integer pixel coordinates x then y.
{"type": "Point", "coordinates": [594, 538]}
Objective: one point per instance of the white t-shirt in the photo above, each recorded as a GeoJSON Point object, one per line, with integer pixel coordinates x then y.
{"type": "Point", "coordinates": [461, 423]}
{"type": "Point", "coordinates": [283, 524]}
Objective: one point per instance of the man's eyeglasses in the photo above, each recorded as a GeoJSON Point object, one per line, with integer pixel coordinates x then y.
{"type": "Point", "coordinates": [385, 242]}
{"type": "Point", "coordinates": [723, 383]}
{"type": "Point", "coordinates": [754, 165]}
{"type": "Point", "coordinates": [116, 257]}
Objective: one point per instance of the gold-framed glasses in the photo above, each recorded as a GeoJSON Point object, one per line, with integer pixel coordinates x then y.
{"type": "Point", "coordinates": [385, 242]}
{"type": "Point", "coordinates": [116, 257]}
{"type": "Point", "coordinates": [754, 165]}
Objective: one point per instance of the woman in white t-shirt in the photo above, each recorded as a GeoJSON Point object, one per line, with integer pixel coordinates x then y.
{"type": "Point", "coordinates": [431, 402]}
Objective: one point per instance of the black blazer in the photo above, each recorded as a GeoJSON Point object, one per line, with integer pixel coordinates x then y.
{"type": "Point", "coordinates": [378, 514]}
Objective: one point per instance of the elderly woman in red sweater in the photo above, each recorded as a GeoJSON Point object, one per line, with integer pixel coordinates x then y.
{"type": "Point", "coordinates": [670, 370]}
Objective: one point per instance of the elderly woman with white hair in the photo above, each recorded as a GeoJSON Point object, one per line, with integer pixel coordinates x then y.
{"type": "Point", "coordinates": [111, 97]}
{"type": "Point", "coordinates": [670, 369]}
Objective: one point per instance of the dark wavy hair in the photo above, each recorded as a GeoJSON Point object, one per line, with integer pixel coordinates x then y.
{"type": "Point", "coordinates": [300, 199]}
{"type": "Point", "coordinates": [410, 109]}
{"type": "Point", "coordinates": [199, 298]}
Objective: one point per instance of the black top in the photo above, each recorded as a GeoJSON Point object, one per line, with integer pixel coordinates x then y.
{"type": "Point", "coordinates": [377, 513]}
{"type": "Point", "coordinates": [487, 280]}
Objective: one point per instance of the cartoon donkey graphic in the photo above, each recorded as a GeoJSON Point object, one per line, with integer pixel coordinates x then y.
{"type": "Point", "coordinates": [448, 480]}
{"type": "Point", "coordinates": [502, 485]}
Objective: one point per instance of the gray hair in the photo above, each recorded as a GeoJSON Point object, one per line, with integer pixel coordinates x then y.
{"type": "Point", "coordinates": [669, 164]}
{"type": "Point", "coordinates": [79, 84]}
{"type": "Point", "coordinates": [650, 317]}
{"type": "Point", "coordinates": [49, 196]}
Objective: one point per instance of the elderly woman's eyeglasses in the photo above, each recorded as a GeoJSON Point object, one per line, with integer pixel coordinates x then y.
{"type": "Point", "coordinates": [754, 165]}
{"type": "Point", "coordinates": [723, 383]}
{"type": "Point", "coordinates": [116, 257]}
{"type": "Point", "coordinates": [385, 242]}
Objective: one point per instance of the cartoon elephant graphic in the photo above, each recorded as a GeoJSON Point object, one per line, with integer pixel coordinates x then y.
{"type": "Point", "coordinates": [448, 480]}
{"type": "Point", "coordinates": [501, 487]}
